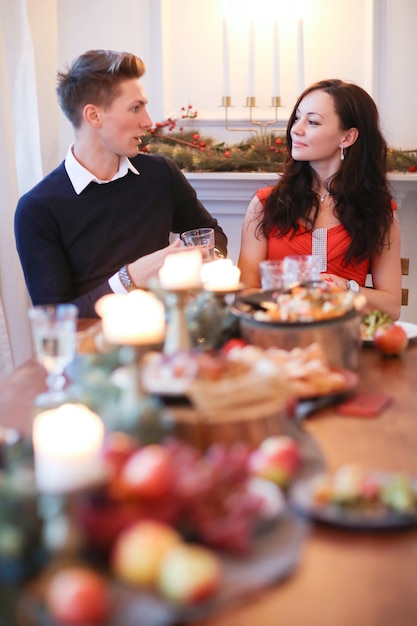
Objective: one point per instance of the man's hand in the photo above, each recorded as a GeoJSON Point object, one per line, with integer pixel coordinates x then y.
{"type": "Point", "coordinates": [148, 266]}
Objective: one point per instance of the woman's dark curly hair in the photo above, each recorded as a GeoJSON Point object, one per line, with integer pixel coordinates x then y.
{"type": "Point", "coordinates": [94, 78]}
{"type": "Point", "coordinates": [360, 188]}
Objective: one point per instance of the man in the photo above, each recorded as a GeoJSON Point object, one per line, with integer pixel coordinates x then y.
{"type": "Point", "coordinates": [100, 222]}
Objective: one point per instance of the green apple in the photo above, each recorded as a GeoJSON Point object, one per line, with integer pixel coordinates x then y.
{"type": "Point", "coordinates": [189, 574]}
{"type": "Point", "coordinates": [139, 549]}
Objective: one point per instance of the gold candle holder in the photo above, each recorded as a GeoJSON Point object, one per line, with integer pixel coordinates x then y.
{"type": "Point", "coordinates": [262, 130]}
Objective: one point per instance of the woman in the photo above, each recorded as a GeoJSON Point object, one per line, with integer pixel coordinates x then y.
{"type": "Point", "coordinates": [332, 199]}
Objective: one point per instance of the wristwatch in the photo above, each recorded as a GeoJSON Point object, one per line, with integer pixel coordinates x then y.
{"type": "Point", "coordinates": [125, 279]}
{"type": "Point", "coordinates": [352, 286]}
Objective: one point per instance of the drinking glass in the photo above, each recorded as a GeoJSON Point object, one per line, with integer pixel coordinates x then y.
{"type": "Point", "coordinates": [278, 274]}
{"type": "Point", "coordinates": [54, 338]}
{"type": "Point", "coordinates": [203, 238]}
{"type": "Point", "coordinates": [309, 267]}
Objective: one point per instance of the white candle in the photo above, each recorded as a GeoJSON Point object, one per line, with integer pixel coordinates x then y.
{"type": "Point", "coordinates": [300, 55]}
{"type": "Point", "coordinates": [226, 86]}
{"type": "Point", "coordinates": [181, 270]}
{"type": "Point", "coordinates": [251, 68]}
{"type": "Point", "coordinates": [137, 318]}
{"type": "Point", "coordinates": [275, 61]}
{"type": "Point", "coordinates": [67, 444]}
{"type": "Point", "coordinates": [220, 275]}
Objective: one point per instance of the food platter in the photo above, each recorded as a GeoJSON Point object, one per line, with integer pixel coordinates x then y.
{"type": "Point", "coordinates": [301, 499]}
{"type": "Point", "coordinates": [262, 306]}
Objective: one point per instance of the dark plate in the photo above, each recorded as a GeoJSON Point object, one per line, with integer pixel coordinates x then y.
{"type": "Point", "coordinates": [354, 518]}
{"type": "Point", "coordinates": [276, 554]}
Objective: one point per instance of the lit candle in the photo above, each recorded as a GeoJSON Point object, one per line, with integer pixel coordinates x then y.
{"type": "Point", "coordinates": [300, 55]}
{"type": "Point", "coordinates": [251, 70]}
{"type": "Point", "coordinates": [181, 270]}
{"type": "Point", "coordinates": [275, 61]}
{"type": "Point", "coordinates": [220, 275]}
{"type": "Point", "coordinates": [226, 86]}
{"type": "Point", "coordinates": [137, 318]}
{"type": "Point", "coordinates": [67, 445]}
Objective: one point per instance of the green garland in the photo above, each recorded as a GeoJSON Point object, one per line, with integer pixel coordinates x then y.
{"type": "Point", "coordinates": [195, 153]}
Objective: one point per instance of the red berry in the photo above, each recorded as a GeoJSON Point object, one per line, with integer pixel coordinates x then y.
{"type": "Point", "coordinates": [278, 141]}
{"type": "Point", "coordinates": [226, 153]}
{"type": "Point", "coordinates": [196, 136]}
{"type": "Point", "coordinates": [412, 168]}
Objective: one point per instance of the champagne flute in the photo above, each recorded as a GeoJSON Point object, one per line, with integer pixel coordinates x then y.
{"type": "Point", "coordinates": [54, 337]}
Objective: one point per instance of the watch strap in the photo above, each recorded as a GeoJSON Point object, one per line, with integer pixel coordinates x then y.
{"type": "Point", "coordinates": [125, 279]}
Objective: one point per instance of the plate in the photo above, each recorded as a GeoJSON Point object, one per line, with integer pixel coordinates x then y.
{"type": "Point", "coordinates": [301, 500]}
{"type": "Point", "coordinates": [276, 554]}
{"type": "Point", "coordinates": [410, 329]}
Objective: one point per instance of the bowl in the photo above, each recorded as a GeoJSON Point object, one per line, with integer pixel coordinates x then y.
{"type": "Point", "coordinates": [339, 337]}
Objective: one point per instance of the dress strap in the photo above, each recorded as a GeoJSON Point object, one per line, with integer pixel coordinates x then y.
{"type": "Point", "coordinates": [319, 246]}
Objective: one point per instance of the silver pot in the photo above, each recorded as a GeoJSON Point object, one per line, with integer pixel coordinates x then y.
{"type": "Point", "coordinates": [339, 337]}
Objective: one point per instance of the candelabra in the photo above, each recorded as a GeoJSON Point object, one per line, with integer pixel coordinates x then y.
{"type": "Point", "coordinates": [178, 336]}
{"type": "Point", "coordinates": [263, 127]}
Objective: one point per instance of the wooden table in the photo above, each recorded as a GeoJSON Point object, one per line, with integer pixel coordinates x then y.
{"type": "Point", "coordinates": [345, 578]}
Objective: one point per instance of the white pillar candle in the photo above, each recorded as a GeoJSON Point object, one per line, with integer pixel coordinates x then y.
{"type": "Point", "coordinates": [220, 275]}
{"type": "Point", "coordinates": [137, 318]}
{"type": "Point", "coordinates": [300, 54]}
{"type": "Point", "coordinates": [181, 270]}
{"type": "Point", "coordinates": [226, 86]}
{"type": "Point", "coordinates": [251, 64]}
{"type": "Point", "coordinates": [275, 61]}
{"type": "Point", "coordinates": [67, 444]}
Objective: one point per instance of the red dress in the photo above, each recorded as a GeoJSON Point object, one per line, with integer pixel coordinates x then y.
{"type": "Point", "coordinates": [335, 241]}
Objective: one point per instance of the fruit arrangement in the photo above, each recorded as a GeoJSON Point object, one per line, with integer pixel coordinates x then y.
{"type": "Point", "coordinates": [206, 496]}
{"type": "Point", "coordinates": [164, 518]}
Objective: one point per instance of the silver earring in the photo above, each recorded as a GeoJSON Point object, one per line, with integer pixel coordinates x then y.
{"type": "Point", "coordinates": [342, 153]}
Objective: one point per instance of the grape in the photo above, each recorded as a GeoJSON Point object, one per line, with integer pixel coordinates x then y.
{"type": "Point", "coordinates": [209, 495]}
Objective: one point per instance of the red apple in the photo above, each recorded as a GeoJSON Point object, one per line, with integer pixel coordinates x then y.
{"type": "Point", "coordinates": [78, 595]}
{"type": "Point", "coordinates": [139, 549]}
{"type": "Point", "coordinates": [189, 574]}
{"type": "Point", "coordinates": [391, 340]}
{"type": "Point", "coordinates": [148, 473]}
{"type": "Point", "coordinates": [277, 459]}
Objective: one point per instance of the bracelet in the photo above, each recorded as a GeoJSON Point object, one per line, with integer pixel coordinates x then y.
{"type": "Point", "coordinates": [125, 279]}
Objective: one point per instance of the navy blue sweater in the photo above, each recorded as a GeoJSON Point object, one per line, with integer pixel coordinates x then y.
{"type": "Point", "coordinates": [70, 245]}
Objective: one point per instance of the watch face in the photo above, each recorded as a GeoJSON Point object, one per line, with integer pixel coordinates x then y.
{"type": "Point", "coordinates": [354, 286]}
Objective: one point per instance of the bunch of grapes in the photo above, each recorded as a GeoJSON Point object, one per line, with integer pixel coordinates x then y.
{"type": "Point", "coordinates": [212, 489]}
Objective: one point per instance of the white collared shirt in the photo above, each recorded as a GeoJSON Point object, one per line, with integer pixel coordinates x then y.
{"type": "Point", "coordinates": [81, 177]}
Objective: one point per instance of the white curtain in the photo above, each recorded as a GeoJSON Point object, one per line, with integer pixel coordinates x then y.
{"type": "Point", "coordinates": [20, 169]}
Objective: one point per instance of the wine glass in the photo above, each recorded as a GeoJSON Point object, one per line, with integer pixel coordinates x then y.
{"type": "Point", "coordinates": [54, 337]}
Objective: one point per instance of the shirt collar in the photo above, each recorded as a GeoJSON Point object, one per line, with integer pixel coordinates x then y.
{"type": "Point", "coordinates": [81, 177]}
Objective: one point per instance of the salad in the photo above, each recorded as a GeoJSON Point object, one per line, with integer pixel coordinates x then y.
{"type": "Point", "coordinates": [373, 320]}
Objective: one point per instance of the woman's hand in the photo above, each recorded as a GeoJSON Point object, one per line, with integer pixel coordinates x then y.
{"type": "Point", "coordinates": [334, 281]}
